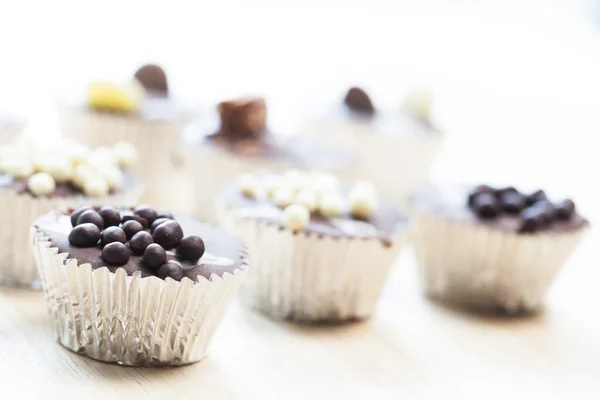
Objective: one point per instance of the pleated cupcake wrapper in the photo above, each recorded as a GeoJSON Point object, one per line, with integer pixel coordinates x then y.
{"type": "Point", "coordinates": [161, 164]}
{"type": "Point", "coordinates": [17, 267]}
{"type": "Point", "coordinates": [9, 132]}
{"type": "Point", "coordinates": [213, 169]}
{"type": "Point", "coordinates": [489, 269]}
{"type": "Point", "coordinates": [131, 320]}
{"type": "Point", "coordinates": [395, 164]}
{"type": "Point", "coordinates": [305, 277]}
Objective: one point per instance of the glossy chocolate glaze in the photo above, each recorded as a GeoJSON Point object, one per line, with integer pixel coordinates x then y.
{"type": "Point", "coordinates": [7, 182]}
{"type": "Point", "coordinates": [451, 202]}
{"type": "Point", "coordinates": [383, 225]}
{"type": "Point", "coordinates": [224, 252]}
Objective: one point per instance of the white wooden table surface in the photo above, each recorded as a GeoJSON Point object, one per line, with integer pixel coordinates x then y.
{"type": "Point", "coordinates": [518, 86]}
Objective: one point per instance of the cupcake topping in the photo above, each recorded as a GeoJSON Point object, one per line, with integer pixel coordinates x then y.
{"type": "Point", "coordinates": [118, 243]}
{"type": "Point", "coordinates": [153, 78]}
{"type": "Point", "coordinates": [301, 194]}
{"type": "Point", "coordinates": [358, 100]}
{"type": "Point", "coordinates": [244, 117]}
{"type": "Point", "coordinates": [535, 211]}
{"type": "Point", "coordinates": [418, 102]}
{"type": "Point", "coordinates": [67, 164]}
{"type": "Point", "coordinates": [109, 96]}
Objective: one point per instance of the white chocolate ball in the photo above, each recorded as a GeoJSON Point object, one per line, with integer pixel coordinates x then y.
{"type": "Point", "coordinates": [126, 154]}
{"type": "Point", "coordinates": [418, 103]}
{"type": "Point", "coordinates": [77, 152]}
{"type": "Point", "coordinates": [296, 217]}
{"type": "Point", "coordinates": [363, 200]}
{"type": "Point", "coordinates": [95, 186]}
{"type": "Point", "coordinates": [18, 166]}
{"type": "Point", "coordinates": [331, 204]}
{"type": "Point", "coordinates": [271, 183]}
{"type": "Point", "coordinates": [41, 184]}
{"type": "Point", "coordinates": [322, 182]}
{"type": "Point", "coordinates": [102, 156]}
{"type": "Point", "coordinates": [112, 175]}
{"type": "Point", "coordinates": [308, 199]}
{"type": "Point", "coordinates": [82, 173]}
{"type": "Point", "coordinates": [248, 184]}
{"type": "Point", "coordinates": [283, 196]}
{"type": "Point", "coordinates": [60, 168]}
{"type": "Point", "coordinates": [296, 179]}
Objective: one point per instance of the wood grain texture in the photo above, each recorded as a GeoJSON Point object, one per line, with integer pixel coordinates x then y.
{"type": "Point", "coordinates": [412, 348]}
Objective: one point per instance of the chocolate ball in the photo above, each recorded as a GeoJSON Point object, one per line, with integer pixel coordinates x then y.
{"type": "Point", "coordinates": [110, 215]}
{"type": "Point", "coordinates": [546, 209]}
{"type": "Point", "coordinates": [162, 213]}
{"type": "Point", "coordinates": [532, 219]}
{"type": "Point", "coordinates": [131, 217]}
{"type": "Point", "coordinates": [84, 235]}
{"type": "Point", "coordinates": [91, 216]}
{"type": "Point", "coordinates": [485, 205]}
{"type": "Point", "coordinates": [140, 241]}
{"type": "Point", "coordinates": [538, 195]}
{"type": "Point", "coordinates": [358, 100]}
{"type": "Point", "coordinates": [75, 214]}
{"type": "Point", "coordinates": [512, 202]}
{"type": "Point", "coordinates": [112, 234]}
{"type": "Point", "coordinates": [477, 191]}
{"type": "Point", "coordinates": [131, 228]}
{"type": "Point", "coordinates": [168, 234]}
{"type": "Point", "coordinates": [507, 189]}
{"type": "Point", "coordinates": [157, 222]}
{"type": "Point", "coordinates": [191, 248]}
{"type": "Point", "coordinates": [116, 253]}
{"type": "Point", "coordinates": [565, 209]}
{"type": "Point", "coordinates": [154, 256]}
{"type": "Point", "coordinates": [170, 270]}
{"type": "Point", "coordinates": [146, 212]}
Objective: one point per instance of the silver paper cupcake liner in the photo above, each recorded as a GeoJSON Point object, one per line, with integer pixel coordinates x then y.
{"type": "Point", "coordinates": [131, 320]}
{"type": "Point", "coordinates": [312, 278]}
{"type": "Point", "coordinates": [17, 267]}
{"type": "Point", "coordinates": [489, 269]}
{"type": "Point", "coordinates": [161, 165]}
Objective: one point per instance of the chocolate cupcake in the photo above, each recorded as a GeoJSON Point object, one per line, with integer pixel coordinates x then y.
{"type": "Point", "coordinates": [144, 113]}
{"type": "Point", "coordinates": [395, 148]}
{"type": "Point", "coordinates": [136, 286]}
{"type": "Point", "coordinates": [493, 248]}
{"type": "Point", "coordinates": [320, 252]}
{"type": "Point", "coordinates": [37, 178]}
{"type": "Point", "coordinates": [239, 141]}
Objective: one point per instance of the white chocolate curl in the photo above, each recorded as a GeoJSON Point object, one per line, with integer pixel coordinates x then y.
{"type": "Point", "coordinates": [363, 200]}
{"type": "Point", "coordinates": [296, 217]}
{"type": "Point", "coordinates": [331, 204]}
{"type": "Point", "coordinates": [41, 184]}
{"type": "Point", "coordinates": [126, 154]}
{"type": "Point", "coordinates": [308, 199]}
{"type": "Point", "coordinates": [248, 184]}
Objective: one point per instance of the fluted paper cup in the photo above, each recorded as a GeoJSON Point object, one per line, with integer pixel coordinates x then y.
{"type": "Point", "coordinates": [489, 269]}
{"type": "Point", "coordinates": [131, 320]}
{"type": "Point", "coordinates": [17, 267]}
{"type": "Point", "coordinates": [311, 278]}
{"type": "Point", "coordinates": [161, 165]}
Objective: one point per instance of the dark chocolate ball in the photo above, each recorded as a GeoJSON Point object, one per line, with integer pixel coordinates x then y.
{"type": "Point", "coordinates": [84, 235]}
{"type": "Point", "coordinates": [91, 216]}
{"type": "Point", "coordinates": [132, 227]}
{"type": "Point", "coordinates": [532, 220]}
{"type": "Point", "coordinates": [170, 270]}
{"type": "Point", "coordinates": [546, 209]}
{"type": "Point", "coordinates": [512, 202]}
{"type": "Point", "coordinates": [112, 234]}
{"type": "Point", "coordinates": [154, 256]}
{"type": "Point", "coordinates": [507, 189]}
{"type": "Point", "coordinates": [358, 100]}
{"type": "Point", "coordinates": [168, 234]}
{"type": "Point", "coordinates": [477, 191]}
{"type": "Point", "coordinates": [565, 209]}
{"type": "Point", "coordinates": [538, 195]}
{"type": "Point", "coordinates": [485, 205]}
{"type": "Point", "coordinates": [116, 253]}
{"type": "Point", "coordinates": [146, 212]}
{"type": "Point", "coordinates": [132, 217]}
{"type": "Point", "coordinates": [140, 241]}
{"type": "Point", "coordinates": [157, 222]}
{"type": "Point", "coordinates": [191, 248]}
{"type": "Point", "coordinates": [110, 215]}
{"type": "Point", "coordinates": [162, 213]}
{"type": "Point", "coordinates": [75, 214]}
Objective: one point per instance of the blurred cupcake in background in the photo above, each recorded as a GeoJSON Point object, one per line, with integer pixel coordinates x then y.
{"type": "Point", "coordinates": [395, 148]}
{"type": "Point", "coordinates": [36, 178]}
{"type": "Point", "coordinates": [320, 251]}
{"type": "Point", "coordinates": [239, 141]}
{"type": "Point", "coordinates": [143, 112]}
{"type": "Point", "coordinates": [492, 248]}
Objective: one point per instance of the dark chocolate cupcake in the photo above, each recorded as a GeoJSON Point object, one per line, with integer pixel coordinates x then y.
{"type": "Point", "coordinates": [493, 248]}
{"type": "Point", "coordinates": [321, 252]}
{"type": "Point", "coordinates": [136, 286]}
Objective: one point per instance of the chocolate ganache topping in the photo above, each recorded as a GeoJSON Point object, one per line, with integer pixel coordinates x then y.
{"type": "Point", "coordinates": [144, 239]}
